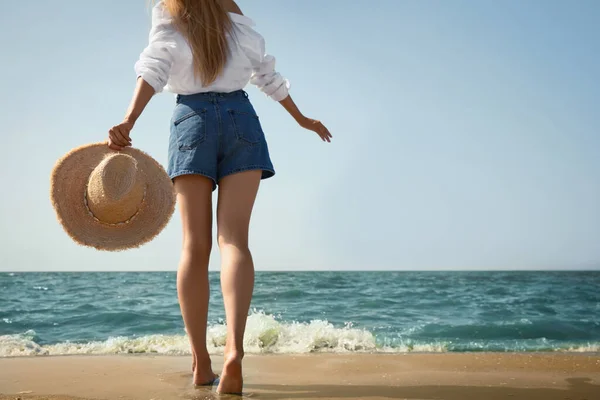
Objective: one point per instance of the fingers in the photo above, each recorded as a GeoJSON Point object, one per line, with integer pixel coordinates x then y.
{"type": "Point", "coordinates": [116, 139]}
{"type": "Point", "coordinates": [120, 135]}
{"type": "Point", "coordinates": [319, 129]}
{"type": "Point", "coordinates": [324, 133]}
{"type": "Point", "coordinates": [113, 146]}
{"type": "Point", "coordinates": [124, 131]}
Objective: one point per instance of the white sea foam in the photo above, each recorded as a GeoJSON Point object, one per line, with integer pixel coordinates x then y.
{"type": "Point", "coordinates": [264, 334]}
{"type": "Point", "coordinates": [20, 345]}
{"type": "Point", "coordinates": [588, 348]}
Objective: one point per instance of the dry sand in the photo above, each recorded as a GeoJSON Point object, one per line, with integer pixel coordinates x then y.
{"type": "Point", "coordinates": [486, 376]}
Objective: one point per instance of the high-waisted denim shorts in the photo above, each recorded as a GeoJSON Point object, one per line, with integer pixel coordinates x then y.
{"type": "Point", "coordinates": [215, 135]}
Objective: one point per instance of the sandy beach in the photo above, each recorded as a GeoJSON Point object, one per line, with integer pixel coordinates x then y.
{"type": "Point", "coordinates": [412, 376]}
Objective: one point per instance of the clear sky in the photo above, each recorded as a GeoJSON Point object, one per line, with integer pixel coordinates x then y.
{"type": "Point", "coordinates": [466, 133]}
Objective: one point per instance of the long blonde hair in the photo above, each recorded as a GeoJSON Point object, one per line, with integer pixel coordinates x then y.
{"type": "Point", "coordinates": [205, 24]}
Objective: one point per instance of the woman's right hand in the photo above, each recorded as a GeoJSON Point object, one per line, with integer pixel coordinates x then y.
{"type": "Point", "coordinates": [118, 135]}
{"type": "Point", "coordinates": [317, 127]}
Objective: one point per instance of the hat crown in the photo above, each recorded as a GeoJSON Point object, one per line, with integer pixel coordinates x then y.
{"type": "Point", "coordinates": [117, 174]}
{"type": "Point", "coordinates": [115, 189]}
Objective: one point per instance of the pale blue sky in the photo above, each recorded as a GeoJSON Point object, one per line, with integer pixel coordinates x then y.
{"type": "Point", "coordinates": [466, 133]}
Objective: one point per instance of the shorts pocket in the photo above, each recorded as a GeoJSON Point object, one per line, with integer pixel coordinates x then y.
{"type": "Point", "coordinates": [246, 126]}
{"type": "Point", "coordinates": [190, 129]}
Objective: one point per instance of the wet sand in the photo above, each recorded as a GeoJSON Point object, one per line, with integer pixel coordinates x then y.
{"type": "Point", "coordinates": [487, 376]}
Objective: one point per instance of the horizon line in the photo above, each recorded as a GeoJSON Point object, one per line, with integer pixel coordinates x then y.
{"type": "Point", "coordinates": [333, 270]}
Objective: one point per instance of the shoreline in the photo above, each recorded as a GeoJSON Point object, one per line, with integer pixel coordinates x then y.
{"type": "Point", "coordinates": [423, 376]}
{"type": "Point", "coordinates": [316, 354]}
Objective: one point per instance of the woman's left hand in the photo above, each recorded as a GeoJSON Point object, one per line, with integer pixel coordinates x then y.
{"type": "Point", "coordinates": [118, 135]}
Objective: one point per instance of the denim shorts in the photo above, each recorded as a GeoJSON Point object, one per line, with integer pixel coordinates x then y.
{"type": "Point", "coordinates": [215, 135]}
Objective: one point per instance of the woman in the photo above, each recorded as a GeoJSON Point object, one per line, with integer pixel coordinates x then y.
{"type": "Point", "coordinates": [206, 52]}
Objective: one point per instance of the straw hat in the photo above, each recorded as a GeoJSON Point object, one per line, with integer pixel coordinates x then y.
{"type": "Point", "coordinates": [111, 200]}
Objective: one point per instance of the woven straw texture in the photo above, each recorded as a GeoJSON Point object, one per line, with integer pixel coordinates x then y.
{"type": "Point", "coordinates": [68, 186]}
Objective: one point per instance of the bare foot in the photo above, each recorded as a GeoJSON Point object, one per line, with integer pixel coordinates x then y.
{"type": "Point", "coordinates": [231, 381]}
{"type": "Point", "coordinates": [203, 374]}
{"type": "Point", "coordinates": [204, 378]}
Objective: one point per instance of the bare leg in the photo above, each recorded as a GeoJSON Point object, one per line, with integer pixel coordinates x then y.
{"type": "Point", "coordinates": [237, 193]}
{"type": "Point", "coordinates": [194, 195]}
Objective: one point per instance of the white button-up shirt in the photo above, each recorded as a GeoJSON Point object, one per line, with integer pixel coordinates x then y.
{"type": "Point", "coordinates": [167, 61]}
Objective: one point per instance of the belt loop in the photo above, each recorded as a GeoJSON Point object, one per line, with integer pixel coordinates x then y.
{"type": "Point", "coordinates": [178, 98]}
{"type": "Point", "coordinates": [245, 94]}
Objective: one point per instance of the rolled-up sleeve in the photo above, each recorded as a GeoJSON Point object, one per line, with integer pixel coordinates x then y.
{"type": "Point", "coordinates": [155, 62]}
{"type": "Point", "coordinates": [266, 78]}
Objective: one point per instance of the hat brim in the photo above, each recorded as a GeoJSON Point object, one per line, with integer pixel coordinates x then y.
{"type": "Point", "coordinates": [68, 185]}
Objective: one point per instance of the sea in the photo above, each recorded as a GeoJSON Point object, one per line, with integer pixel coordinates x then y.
{"type": "Point", "coordinates": [307, 312]}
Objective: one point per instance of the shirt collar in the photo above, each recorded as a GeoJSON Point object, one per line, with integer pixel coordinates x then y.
{"type": "Point", "coordinates": [241, 19]}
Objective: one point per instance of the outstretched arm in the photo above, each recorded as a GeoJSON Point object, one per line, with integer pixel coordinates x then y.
{"type": "Point", "coordinates": [276, 87]}
{"type": "Point", "coordinates": [307, 123]}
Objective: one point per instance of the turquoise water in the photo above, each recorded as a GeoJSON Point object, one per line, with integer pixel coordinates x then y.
{"type": "Point", "coordinates": [301, 312]}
